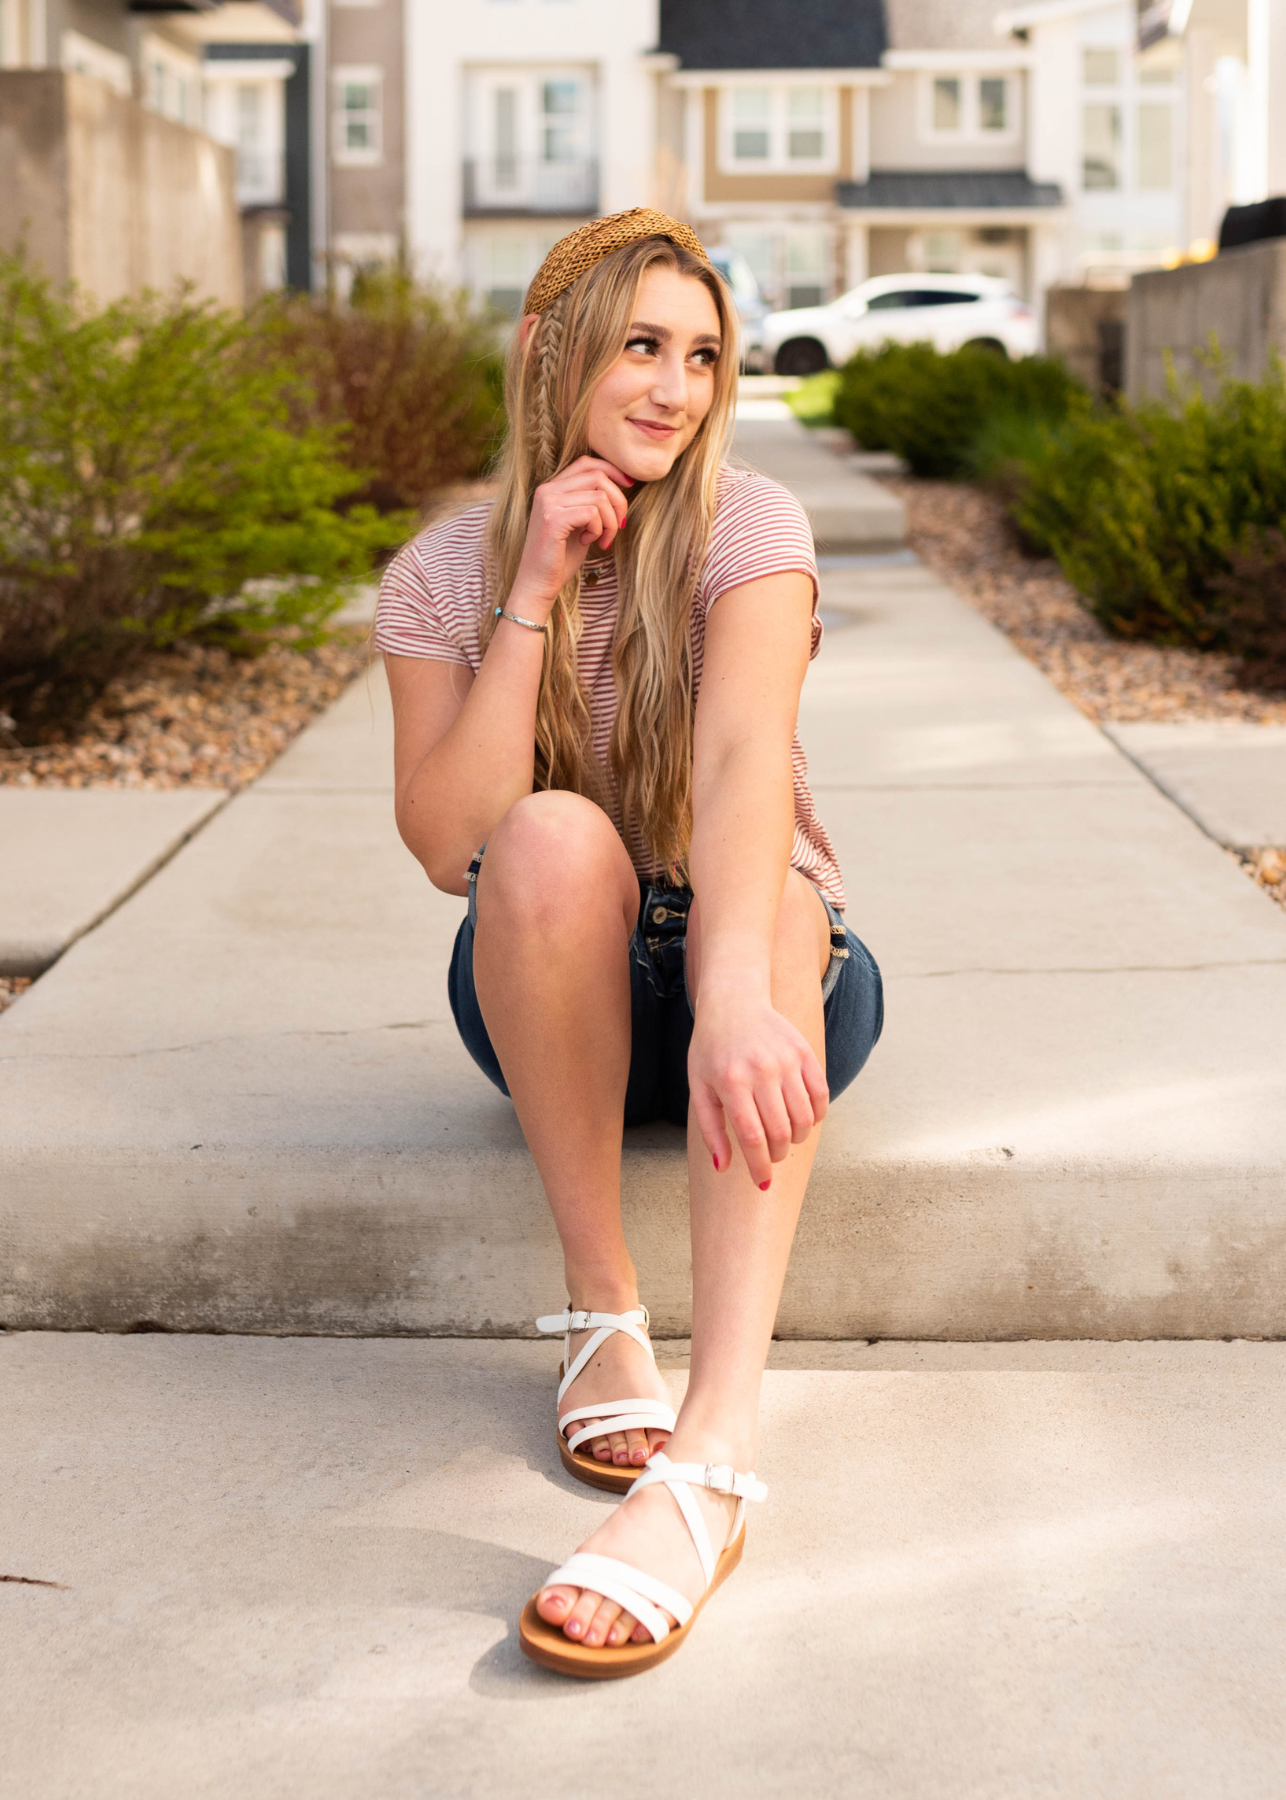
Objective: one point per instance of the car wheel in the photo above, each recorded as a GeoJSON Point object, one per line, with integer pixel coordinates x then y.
{"type": "Point", "coordinates": [801, 356]}
{"type": "Point", "coordinates": [993, 345]}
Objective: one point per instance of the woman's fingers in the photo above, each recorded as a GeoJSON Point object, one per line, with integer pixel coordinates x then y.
{"type": "Point", "coordinates": [799, 1106]}
{"type": "Point", "coordinates": [748, 1128]}
{"type": "Point", "coordinates": [710, 1123]}
{"type": "Point", "coordinates": [814, 1079]}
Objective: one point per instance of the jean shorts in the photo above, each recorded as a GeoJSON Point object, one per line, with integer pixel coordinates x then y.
{"type": "Point", "coordinates": [661, 1012]}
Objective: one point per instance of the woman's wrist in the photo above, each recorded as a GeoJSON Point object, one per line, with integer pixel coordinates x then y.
{"type": "Point", "coordinates": [529, 603]}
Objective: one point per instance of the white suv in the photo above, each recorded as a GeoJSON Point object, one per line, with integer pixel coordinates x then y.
{"type": "Point", "coordinates": [947, 311]}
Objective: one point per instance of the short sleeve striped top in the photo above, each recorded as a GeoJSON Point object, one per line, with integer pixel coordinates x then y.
{"type": "Point", "coordinates": [433, 597]}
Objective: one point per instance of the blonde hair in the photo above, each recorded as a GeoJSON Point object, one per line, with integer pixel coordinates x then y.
{"type": "Point", "coordinates": [549, 384]}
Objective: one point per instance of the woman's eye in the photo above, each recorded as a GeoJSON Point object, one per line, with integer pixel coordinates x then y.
{"type": "Point", "coordinates": [642, 343]}
{"type": "Point", "coordinates": [707, 358]}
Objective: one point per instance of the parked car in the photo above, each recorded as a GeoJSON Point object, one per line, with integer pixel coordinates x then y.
{"type": "Point", "coordinates": [751, 306]}
{"type": "Point", "coordinates": [947, 311]}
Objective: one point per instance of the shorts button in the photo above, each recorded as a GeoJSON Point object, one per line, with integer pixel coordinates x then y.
{"type": "Point", "coordinates": [659, 915]}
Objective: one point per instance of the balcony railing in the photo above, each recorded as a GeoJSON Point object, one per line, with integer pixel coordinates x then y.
{"type": "Point", "coordinates": [501, 184]}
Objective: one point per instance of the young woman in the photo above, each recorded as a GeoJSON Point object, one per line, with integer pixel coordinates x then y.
{"type": "Point", "coordinates": [595, 682]}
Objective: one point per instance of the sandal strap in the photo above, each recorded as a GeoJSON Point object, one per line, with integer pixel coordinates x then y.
{"type": "Point", "coordinates": [720, 1478]}
{"type": "Point", "coordinates": [602, 1325]}
{"type": "Point", "coordinates": [617, 1415]}
{"type": "Point", "coordinates": [639, 1593]}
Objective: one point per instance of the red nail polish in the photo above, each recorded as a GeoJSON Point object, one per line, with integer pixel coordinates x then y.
{"type": "Point", "coordinates": [716, 1165]}
{"type": "Point", "coordinates": [764, 1186]}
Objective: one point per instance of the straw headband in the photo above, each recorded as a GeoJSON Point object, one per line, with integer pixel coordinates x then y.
{"type": "Point", "coordinates": [581, 249]}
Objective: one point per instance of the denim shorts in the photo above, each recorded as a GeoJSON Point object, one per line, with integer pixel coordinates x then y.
{"type": "Point", "coordinates": [661, 1012]}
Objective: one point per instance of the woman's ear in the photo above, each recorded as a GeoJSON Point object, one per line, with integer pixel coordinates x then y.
{"type": "Point", "coordinates": [526, 327]}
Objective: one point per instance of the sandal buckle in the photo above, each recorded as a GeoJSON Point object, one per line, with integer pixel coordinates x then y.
{"type": "Point", "coordinates": [721, 1478]}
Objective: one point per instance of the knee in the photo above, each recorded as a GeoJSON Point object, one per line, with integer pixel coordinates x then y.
{"type": "Point", "coordinates": [552, 850]}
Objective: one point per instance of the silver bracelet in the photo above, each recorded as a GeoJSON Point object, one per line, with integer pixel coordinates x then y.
{"type": "Point", "coordinates": [502, 612]}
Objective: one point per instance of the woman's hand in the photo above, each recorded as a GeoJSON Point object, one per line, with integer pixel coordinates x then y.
{"type": "Point", "coordinates": [584, 505]}
{"type": "Point", "coordinates": [751, 1070]}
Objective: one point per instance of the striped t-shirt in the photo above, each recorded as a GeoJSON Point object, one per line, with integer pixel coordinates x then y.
{"type": "Point", "coordinates": [433, 599]}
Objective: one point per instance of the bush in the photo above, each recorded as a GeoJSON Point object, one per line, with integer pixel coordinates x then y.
{"type": "Point", "coordinates": [1147, 508]}
{"type": "Point", "coordinates": [151, 488]}
{"type": "Point", "coordinates": [410, 371]}
{"type": "Point", "coordinates": [1250, 609]}
{"type": "Point", "coordinates": [933, 409]}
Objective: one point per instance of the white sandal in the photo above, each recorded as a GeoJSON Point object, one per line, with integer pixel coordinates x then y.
{"type": "Point", "coordinates": [617, 1415]}
{"type": "Point", "coordinates": [638, 1593]}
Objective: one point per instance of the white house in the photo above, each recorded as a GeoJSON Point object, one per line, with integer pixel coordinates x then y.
{"type": "Point", "coordinates": [523, 119]}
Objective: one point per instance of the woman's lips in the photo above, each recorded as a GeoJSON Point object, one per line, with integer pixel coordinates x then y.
{"type": "Point", "coordinates": [654, 428]}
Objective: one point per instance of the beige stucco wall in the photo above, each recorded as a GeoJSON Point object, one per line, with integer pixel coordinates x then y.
{"type": "Point", "coordinates": [113, 197]}
{"type": "Point", "coordinates": [898, 140]}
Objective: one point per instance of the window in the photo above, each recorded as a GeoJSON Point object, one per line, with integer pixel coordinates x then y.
{"type": "Point", "coordinates": [504, 106]}
{"type": "Point", "coordinates": [1102, 68]}
{"type": "Point", "coordinates": [84, 55]}
{"type": "Point", "coordinates": [1155, 147]}
{"type": "Point", "coordinates": [779, 128]}
{"type": "Point", "coordinates": [1101, 146]}
{"type": "Point", "coordinates": [529, 144]}
{"type": "Point", "coordinates": [357, 137]}
{"type": "Point", "coordinates": [752, 121]}
{"type": "Point", "coordinates": [967, 106]}
{"type": "Point", "coordinates": [171, 82]}
{"type": "Point", "coordinates": [993, 103]}
{"type": "Point", "coordinates": [806, 268]}
{"type": "Point", "coordinates": [948, 112]}
{"type": "Point", "coordinates": [561, 120]}
{"type": "Point", "coordinates": [806, 120]}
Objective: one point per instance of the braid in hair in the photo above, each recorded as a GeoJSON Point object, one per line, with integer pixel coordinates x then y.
{"type": "Point", "coordinates": [546, 432]}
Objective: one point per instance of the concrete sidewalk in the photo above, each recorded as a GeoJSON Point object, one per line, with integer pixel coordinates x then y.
{"type": "Point", "coordinates": [848, 511]}
{"type": "Point", "coordinates": [1228, 776]}
{"type": "Point", "coordinates": [293, 1568]}
{"type": "Point", "coordinates": [241, 1104]}
{"type": "Point", "coordinates": [69, 856]}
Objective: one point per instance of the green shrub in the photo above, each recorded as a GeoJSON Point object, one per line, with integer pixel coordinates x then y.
{"type": "Point", "coordinates": [813, 401]}
{"type": "Point", "coordinates": [412, 374]}
{"type": "Point", "coordinates": [151, 488]}
{"type": "Point", "coordinates": [1146, 507]}
{"type": "Point", "coordinates": [1250, 608]}
{"type": "Point", "coordinates": [931, 408]}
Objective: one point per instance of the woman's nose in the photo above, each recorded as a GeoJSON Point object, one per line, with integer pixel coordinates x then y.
{"type": "Point", "coordinates": [671, 385]}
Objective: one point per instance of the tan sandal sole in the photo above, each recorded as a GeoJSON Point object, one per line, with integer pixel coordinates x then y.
{"type": "Point", "coordinates": [552, 1649]}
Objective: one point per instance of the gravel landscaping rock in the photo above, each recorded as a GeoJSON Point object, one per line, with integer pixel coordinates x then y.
{"type": "Point", "coordinates": [963, 533]}
{"type": "Point", "coordinates": [193, 717]}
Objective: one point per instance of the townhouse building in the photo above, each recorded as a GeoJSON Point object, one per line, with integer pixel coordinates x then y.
{"type": "Point", "coordinates": [1057, 141]}
{"type": "Point", "coordinates": [524, 118]}
{"type": "Point", "coordinates": [144, 142]}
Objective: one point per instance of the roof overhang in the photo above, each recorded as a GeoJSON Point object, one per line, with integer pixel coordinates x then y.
{"type": "Point", "coordinates": [1011, 217]}
{"type": "Point", "coordinates": [1043, 12]}
{"type": "Point", "coordinates": [1004, 56]}
{"type": "Point", "coordinates": [702, 78]}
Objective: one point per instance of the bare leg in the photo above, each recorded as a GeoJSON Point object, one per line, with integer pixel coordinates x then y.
{"type": "Point", "coordinates": [741, 1241]}
{"type": "Point", "coordinates": [557, 903]}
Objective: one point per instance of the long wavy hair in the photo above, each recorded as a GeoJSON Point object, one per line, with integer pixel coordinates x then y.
{"type": "Point", "coordinates": [549, 383]}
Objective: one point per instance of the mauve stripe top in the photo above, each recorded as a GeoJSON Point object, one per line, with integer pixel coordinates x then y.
{"type": "Point", "coordinates": [433, 598]}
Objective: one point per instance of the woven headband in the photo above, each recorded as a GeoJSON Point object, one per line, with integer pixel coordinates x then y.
{"type": "Point", "coordinates": [589, 244]}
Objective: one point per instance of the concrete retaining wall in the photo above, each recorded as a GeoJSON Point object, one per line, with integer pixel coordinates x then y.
{"type": "Point", "coordinates": [1239, 300]}
{"type": "Point", "coordinates": [113, 197]}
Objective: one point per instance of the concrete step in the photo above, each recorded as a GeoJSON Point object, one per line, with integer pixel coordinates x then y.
{"type": "Point", "coordinates": [240, 1104]}
{"type": "Point", "coordinates": [849, 512]}
{"type": "Point", "coordinates": [295, 1567]}
{"type": "Point", "coordinates": [68, 856]}
{"type": "Point", "coordinates": [1229, 776]}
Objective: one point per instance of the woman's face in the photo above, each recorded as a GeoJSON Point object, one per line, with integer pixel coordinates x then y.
{"type": "Point", "coordinates": [646, 409]}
